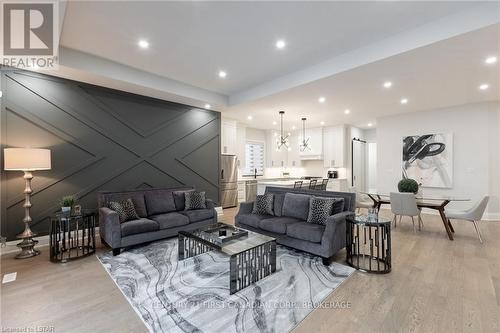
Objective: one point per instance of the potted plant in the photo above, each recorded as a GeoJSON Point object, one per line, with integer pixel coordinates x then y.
{"type": "Point", "coordinates": [408, 185]}
{"type": "Point", "coordinates": [66, 203]}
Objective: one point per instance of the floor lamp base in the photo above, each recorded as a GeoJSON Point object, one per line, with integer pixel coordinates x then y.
{"type": "Point", "coordinates": [27, 248]}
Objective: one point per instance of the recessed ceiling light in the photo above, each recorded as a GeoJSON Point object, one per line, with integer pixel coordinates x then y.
{"type": "Point", "coordinates": [280, 44]}
{"type": "Point", "coordinates": [143, 44]}
{"type": "Point", "coordinates": [387, 84]}
{"type": "Point", "coordinates": [370, 124]}
{"type": "Point", "coordinates": [491, 60]}
{"type": "Point", "coordinates": [484, 86]}
{"type": "Point", "coordinates": [347, 111]}
{"type": "Point", "coordinates": [207, 106]}
{"type": "Point", "coordinates": [404, 100]}
{"type": "Point", "coordinates": [322, 99]}
{"type": "Point", "coordinates": [249, 117]}
{"type": "Point", "coordinates": [322, 123]}
{"type": "Point", "coordinates": [222, 74]}
{"type": "Point", "coordinates": [274, 123]}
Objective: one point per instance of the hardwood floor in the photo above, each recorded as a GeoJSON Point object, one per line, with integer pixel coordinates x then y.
{"type": "Point", "coordinates": [436, 285]}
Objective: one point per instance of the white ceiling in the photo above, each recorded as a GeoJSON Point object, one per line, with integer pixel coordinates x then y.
{"type": "Point", "coordinates": [439, 75]}
{"type": "Point", "coordinates": [191, 41]}
{"type": "Point", "coordinates": [433, 52]}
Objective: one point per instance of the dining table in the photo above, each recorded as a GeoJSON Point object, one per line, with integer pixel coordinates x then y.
{"type": "Point", "coordinates": [436, 202]}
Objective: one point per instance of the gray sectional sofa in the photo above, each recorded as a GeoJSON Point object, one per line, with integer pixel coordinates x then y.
{"type": "Point", "coordinates": [288, 224]}
{"type": "Point", "coordinates": [161, 214]}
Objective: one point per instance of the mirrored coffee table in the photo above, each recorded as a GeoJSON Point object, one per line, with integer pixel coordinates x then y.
{"type": "Point", "coordinates": [252, 255]}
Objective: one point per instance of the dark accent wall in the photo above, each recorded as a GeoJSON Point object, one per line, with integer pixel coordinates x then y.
{"type": "Point", "coordinates": [101, 139]}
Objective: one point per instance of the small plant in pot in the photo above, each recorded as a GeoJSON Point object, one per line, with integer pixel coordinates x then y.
{"type": "Point", "coordinates": [408, 186]}
{"type": "Point", "coordinates": [66, 203]}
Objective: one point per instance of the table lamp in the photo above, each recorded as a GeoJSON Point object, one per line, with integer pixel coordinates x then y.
{"type": "Point", "coordinates": [27, 160]}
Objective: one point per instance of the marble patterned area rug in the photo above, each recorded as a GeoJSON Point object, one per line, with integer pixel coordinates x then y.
{"type": "Point", "coordinates": [193, 295]}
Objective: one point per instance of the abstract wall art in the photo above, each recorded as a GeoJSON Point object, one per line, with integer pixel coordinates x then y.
{"type": "Point", "coordinates": [429, 159]}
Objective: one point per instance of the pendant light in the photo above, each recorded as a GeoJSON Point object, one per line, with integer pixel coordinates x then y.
{"type": "Point", "coordinates": [282, 141]}
{"type": "Point", "coordinates": [304, 145]}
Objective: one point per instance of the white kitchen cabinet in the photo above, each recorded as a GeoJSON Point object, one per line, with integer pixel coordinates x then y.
{"type": "Point", "coordinates": [334, 147]}
{"type": "Point", "coordinates": [228, 142]}
{"type": "Point", "coordinates": [337, 185]}
{"type": "Point", "coordinates": [240, 146]}
{"type": "Point", "coordinates": [241, 191]}
{"type": "Point", "coordinates": [274, 157]}
{"type": "Point", "coordinates": [293, 155]}
{"type": "Point", "coordinates": [315, 136]}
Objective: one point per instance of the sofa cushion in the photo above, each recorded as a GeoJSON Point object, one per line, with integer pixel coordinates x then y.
{"type": "Point", "coordinates": [138, 227]}
{"type": "Point", "coordinates": [198, 214]}
{"type": "Point", "coordinates": [170, 220]}
{"type": "Point", "coordinates": [179, 199]}
{"type": "Point", "coordinates": [296, 205]}
{"type": "Point", "coordinates": [251, 219]}
{"type": "Point", "coordinates": [320, 209]}
{"type": "Point", "coordinates": [159, 202]}
{"type": "Point", "coordinates": [263, 204]}
{"type": "Point", "coordinates": [277, 224]}
{"type": "Point", "coordinates": [278, 204]}
{"type": "Point", "coordinates": [310, 232]}
{"type": "Point", "coordinates": [137, 199]}
{"type": "Point", "coordinates": [194, 200]}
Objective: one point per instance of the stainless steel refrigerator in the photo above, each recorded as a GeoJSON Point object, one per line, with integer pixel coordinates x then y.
{"type": "Point", "coordinates": [229, 181]}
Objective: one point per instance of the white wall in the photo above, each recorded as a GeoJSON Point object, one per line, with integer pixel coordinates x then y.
{"type": "Point", "coordinates": [476, 148]}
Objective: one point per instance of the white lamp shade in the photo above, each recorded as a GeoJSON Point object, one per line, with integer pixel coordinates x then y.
{"type": "Point", "coordinates": [26, 159]}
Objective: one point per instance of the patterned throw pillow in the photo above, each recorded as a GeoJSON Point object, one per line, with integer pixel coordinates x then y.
{"type": "Point", "coordinates": [320, 209]}
{"type": "Point", "coordinates": [264, 204]}
{"type": "Point", "coordinates": [125, 209]}
{"type": "Point", "coordinates": [194, 200]}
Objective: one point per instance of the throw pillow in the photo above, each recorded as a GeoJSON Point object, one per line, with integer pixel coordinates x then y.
{"type": "Point", "coordinates": [338, 206]}
{"type": "Point", "coordinates": [264, 204]}
{"type": "Point", "coordinates": [194, 200]}
{"type": "Point", "coordinates": [125, 209]}
{"type": "Point", "coordinates": [320, 209]}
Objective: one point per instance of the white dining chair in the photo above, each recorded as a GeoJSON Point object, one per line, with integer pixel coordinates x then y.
{"type": "Point", "coordinates": [361, 200]}
{"type": "Point", "coordinates": [473, 214]}
{"type": "Point", "coordinates": [405, 204]}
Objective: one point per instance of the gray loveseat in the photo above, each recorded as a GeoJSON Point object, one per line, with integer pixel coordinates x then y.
{"type": "Point", "coordinates": [161, 213]}
{"type": "Point", "coordinates": [288, 224]}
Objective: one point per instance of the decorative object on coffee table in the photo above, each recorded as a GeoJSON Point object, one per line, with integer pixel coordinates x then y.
{"type": "Point", "coordinates": [252, 257]}
{"type": "Point", "coordinates": [368, 243]}
{"type": "Point", "coordinates": [27, 160]}
{"type": "Point", "coordinates": [72, 236]}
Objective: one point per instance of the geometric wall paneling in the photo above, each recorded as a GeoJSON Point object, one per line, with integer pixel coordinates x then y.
{"type": "Point", "coordinates": [101, 139]}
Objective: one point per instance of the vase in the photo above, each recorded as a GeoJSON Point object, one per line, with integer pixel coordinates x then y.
{"type": "Point", "coordinates": [66, 210]}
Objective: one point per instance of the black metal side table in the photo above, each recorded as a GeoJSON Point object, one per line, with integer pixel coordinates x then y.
{"type": "Point", "coordinates": [369, 244]}
{"type": "Point", "coordinates": [72, 237]}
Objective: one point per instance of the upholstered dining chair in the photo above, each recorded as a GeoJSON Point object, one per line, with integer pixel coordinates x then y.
{"type": "Point", "coordinates": [361, 201]}
{"type": "Point", "coordinates": [405, 204]}
{"type": "Point", "coordinates": [473, 214]}
{"type": "Point", "coordinates": [298, 184]}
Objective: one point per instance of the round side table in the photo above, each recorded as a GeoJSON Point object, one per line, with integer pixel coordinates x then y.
{"type": "Point", "coordinates": [72, 236]}
{"type": "Point", "coordinates": [368, 244]}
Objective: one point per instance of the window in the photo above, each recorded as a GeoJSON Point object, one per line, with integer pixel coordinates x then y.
{"type": "Point", "coordinates": [254, 155]}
